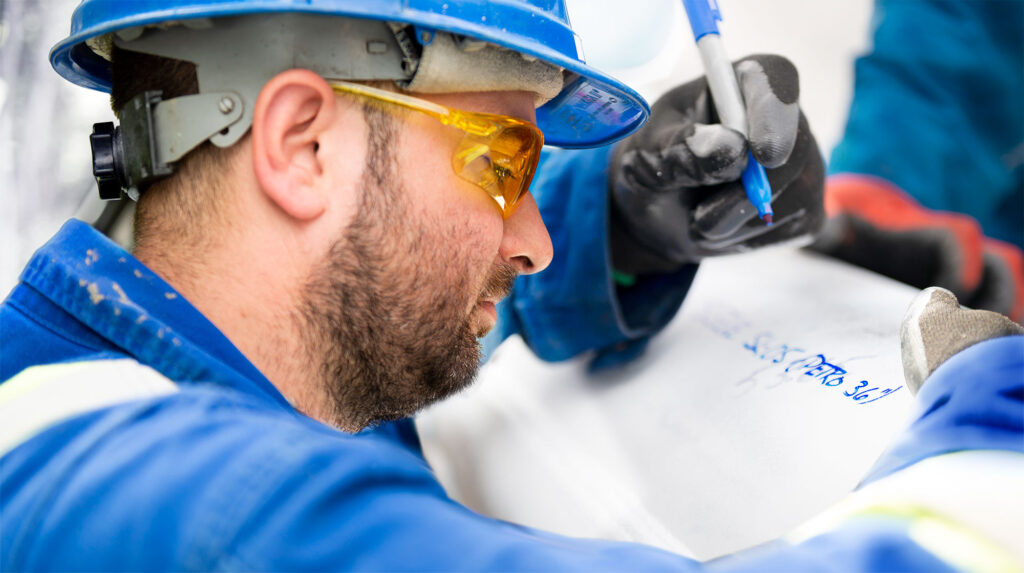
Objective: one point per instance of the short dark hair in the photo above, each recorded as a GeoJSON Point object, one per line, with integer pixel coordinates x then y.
{"type": "Point", "coordinates": [184, 204]}
{"type": "Point", "coordinates": [134, 72]}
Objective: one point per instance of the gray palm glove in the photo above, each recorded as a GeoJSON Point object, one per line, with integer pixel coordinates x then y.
{"type": "Point", "coordinates": [675, 192]}
{"type": "Point", "coordinates": [935, 328]}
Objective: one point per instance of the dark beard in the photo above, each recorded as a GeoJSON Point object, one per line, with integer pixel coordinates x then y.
{"type": "Point", "coordinates": [385, 312]}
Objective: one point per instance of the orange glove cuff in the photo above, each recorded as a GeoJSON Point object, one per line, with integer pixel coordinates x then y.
{"type": "Point", "coordinates": [1013, 259]}
{"type": "Point", "coordinates": [886, 206]}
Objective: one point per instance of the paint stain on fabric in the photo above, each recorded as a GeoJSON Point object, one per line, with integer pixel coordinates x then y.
{"type": "Point", "coordinates": [94, 293]}
{"type": "Point", "coordinates": [121, 296]}
{"type": "Point", "coordinates": [141, 319]}
{"type": "Point", "coordinates": [91, 256]}
{"type": "Point", "coordinates": [138, 273]}
{"type": "Point", "coordinates": [170, 295]}
{"type": "Point", "coordinates": [122, 260]}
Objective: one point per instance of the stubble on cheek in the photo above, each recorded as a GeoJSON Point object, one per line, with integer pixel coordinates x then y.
{"type": "Point", "coordinates": [385, 312]}
{"type": "Point", "coordinates": [389, 331]}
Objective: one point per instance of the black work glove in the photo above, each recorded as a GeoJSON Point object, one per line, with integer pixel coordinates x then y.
{"type": "Point", "coordinates": [874, 224]}
{"type": "Point", "coordinates": [675, 189]}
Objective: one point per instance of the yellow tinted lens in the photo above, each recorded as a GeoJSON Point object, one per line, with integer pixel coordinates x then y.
{"type": "Point", "coordinates": [502, 165]}
{"type": "Point", "coordinates": [498, 153]}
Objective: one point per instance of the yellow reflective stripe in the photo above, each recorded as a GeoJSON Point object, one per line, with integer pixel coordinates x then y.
{"type": "Point", "coordinates": [948, 540]}
{"type": "Point", "coordinates": [964, 507]}
{"type": "Point", "coordinates": [42, 396]}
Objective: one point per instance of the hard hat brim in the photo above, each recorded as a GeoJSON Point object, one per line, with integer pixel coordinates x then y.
{"type": "Point", "coordinates": [593, 108]}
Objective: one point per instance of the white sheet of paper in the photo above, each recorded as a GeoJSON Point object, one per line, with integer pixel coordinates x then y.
{"type": "Point", "coordinates": [764, 401]}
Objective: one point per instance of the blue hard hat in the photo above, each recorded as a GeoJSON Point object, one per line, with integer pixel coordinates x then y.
{"type": "Point", "coordinates": [592, 109]}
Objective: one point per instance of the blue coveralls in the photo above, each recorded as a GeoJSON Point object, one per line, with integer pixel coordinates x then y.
{"type": "Point", "coordinates": [938, 109]}
{"type": "Point", "coordinates": [223, 474]}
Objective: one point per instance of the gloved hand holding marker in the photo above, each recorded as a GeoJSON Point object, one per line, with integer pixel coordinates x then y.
{"type": "Point", "coordinates": [682, 187]}
{"type": "Point", "coordinates": [726, 94]}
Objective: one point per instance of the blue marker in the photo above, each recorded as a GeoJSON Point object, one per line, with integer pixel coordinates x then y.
{"type": "Point", "coordinates": [726, 93]}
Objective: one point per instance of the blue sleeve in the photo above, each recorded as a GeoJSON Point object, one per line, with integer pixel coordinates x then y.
{"type": "Point", "coordinates": [937, 109]}
{"type": "Point", "coordinates": [973, 401]}
{"type": "Point", "coordinates": [391, 514]}
{"type": "Point", "coordinates": [207, 481]}
{"type": "Point", "coordinates": [168, 485]}
{"type": "Point", "coordinates": [574, 306]}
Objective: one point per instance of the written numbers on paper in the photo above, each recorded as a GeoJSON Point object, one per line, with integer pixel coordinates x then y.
{"type": "Point", "coordinates": [793, 360]}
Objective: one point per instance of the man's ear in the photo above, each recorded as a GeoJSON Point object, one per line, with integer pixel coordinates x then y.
{"type": "Point", "coordinates": [292, 113]}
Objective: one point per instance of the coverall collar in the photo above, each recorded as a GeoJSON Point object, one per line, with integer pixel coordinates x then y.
{"type": "Point", "coordinates": [114, 294]}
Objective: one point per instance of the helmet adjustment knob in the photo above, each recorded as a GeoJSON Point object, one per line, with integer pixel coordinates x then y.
{"type": "Point", "coordinates": [106, 142]}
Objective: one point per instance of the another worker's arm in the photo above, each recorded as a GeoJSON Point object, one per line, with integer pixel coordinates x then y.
{"type": "Point", "coordinates": [630, 223]}
{"type": "Point", "coordinates": [931, 166]}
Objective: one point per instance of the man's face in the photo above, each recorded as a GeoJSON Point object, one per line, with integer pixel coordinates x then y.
{"type": "Point", "coordinates": [394, 311]}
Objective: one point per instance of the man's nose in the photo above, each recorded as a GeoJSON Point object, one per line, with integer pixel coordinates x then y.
{"type": "Point", "coordinates": [526, 244]}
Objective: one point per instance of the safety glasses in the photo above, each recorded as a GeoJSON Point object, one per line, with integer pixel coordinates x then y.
{"type": "Point", "coordinates": [498, 153]}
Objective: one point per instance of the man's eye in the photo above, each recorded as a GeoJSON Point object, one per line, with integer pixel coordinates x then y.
{"type": "Point", "coordinates": [501, 172]}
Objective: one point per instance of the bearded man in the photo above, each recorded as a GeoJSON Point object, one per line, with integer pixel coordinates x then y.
{"type": "Point", "coordinates": [333, 200]}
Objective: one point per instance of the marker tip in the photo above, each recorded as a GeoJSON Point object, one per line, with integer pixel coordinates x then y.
{"type": "Point", "coordinates": [767, 218]}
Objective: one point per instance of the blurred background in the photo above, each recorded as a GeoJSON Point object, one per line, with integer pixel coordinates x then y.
{"type": "Point", "coordinates": [45, 163]}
